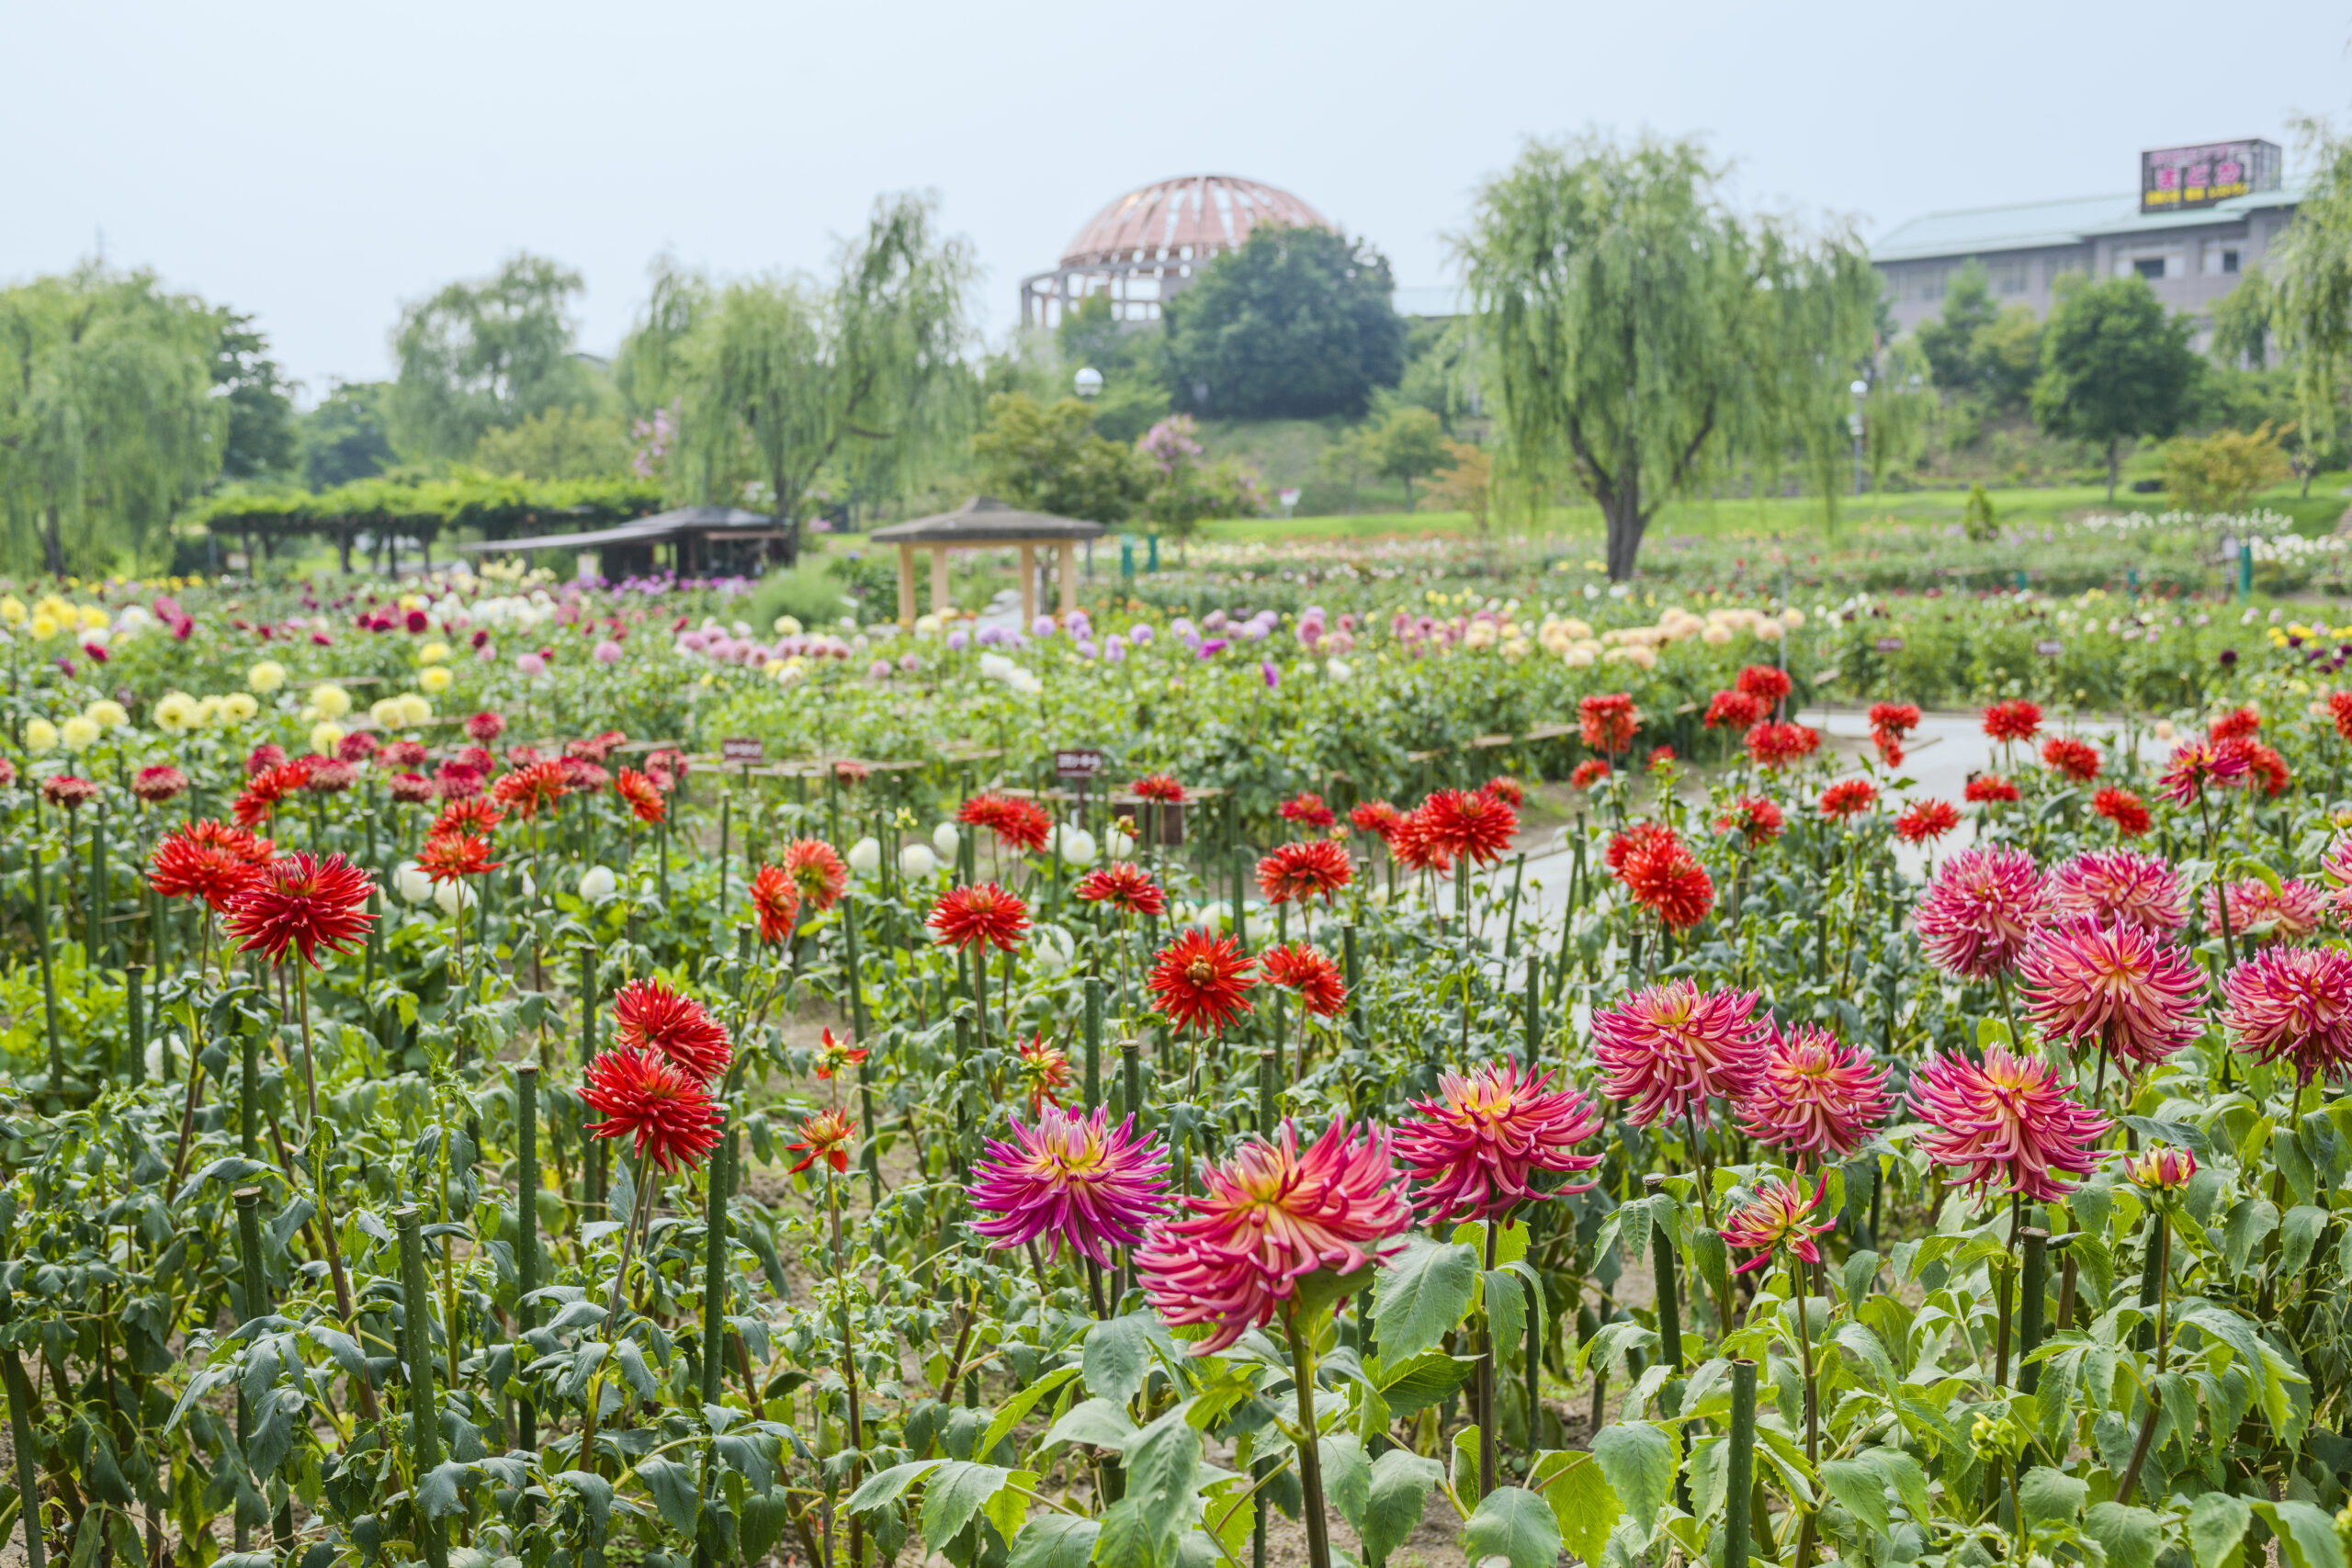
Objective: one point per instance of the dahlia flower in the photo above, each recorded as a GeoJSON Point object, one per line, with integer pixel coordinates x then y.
{"type": "Point", "coordinates": [1767, 683]}
{"type": "Point", "coordinates": [410, 789]}
{"type": "Point", "coordinates": [1156, 786]}
{"type": "Point", "coordinates": [1043, 1068]}
{"type": "Point", "coordinates": [1508, 790]}
{"type": "Point", "coordinates": [1072, 1178]}
{"type": "Point", "coordinates": [1020, 823]}
{"type": "Point", "coordinates": [825, 1137]}
{"type": "Point", "coordinates": [208, 860]}
{"type": "Point", "coordinates": [476, 817]}
{"type": "Point", "coordinates": [2292, 912]}
{"type": "Point", "coordinates": [1124, 885]}
{"type": "Point", "coordinates": [1306, 809]}
{"type": "Point", "coordinates": [485, 728]}
{"type": "Point", "coordinates": [2126, 810]}
{"type": "Point", "coordinates": [450, 857]}
{"type": "Point", "coordinates": [330, 776]}
{"type": "Point", "coordinates": [1375, 816]}
{"type": "Point", "coordinates": [776, 903]}
{"type": "Point", "coordinates": [1755, 818]}
{"type": "Point", "coordinates": [2014, 720]}
{"type": "Point", "coordinates": [1773, 746]}
{"type": "Point", "coordinates": [643, 795]}
{"type": "Point", "coordinates": [2161, 1170]}
{"type": "Point", "coordinates": [1848, 798]}
{"type": "Point", "coordinates": [2197, 765]}
{"type": "Point", "coordinates": [2335, 865]}
{"type": "Point", "coordinates": [1476, 1146]}
{"type": "Point", "coordinates": [1731, 710]}
{"type": "Point", "coordinates": [1923, 821]}
{"type": "Point", "coordinates": [1669, 1049]}
{"type": "Point", "coordinates": [1990, 789]}
{"type": "Point", "coordinates": [835, 1056]}
{"type": "Point", "coordinates": [1894, 720]}
{"type": "Point", "coordinates": [301, 903]}
{"type": "Point", "coordinates": [2119, 986]}
{"type": "Point", "coordinates": [2007, 1121]}
{"type": "Point", "coordinates": [1607, 722]}
{"type": "Point", "coordinates": [2293, 1004]}
{"type": "Point", "coordinates": [2238, 724]}
{"type": "Point", "coordinates": [1667, 879]}
{"type": "Point", "coordinates": [1589, 772]}
{"type": "Point", "coordinates": [1272, 1217]}
{"type": "Point", "coordinates": [1640, 836]}
{"type": "Point", "coordinates": [154, 785]}
{"type": "Point", "coordinates": [1305, 968]}
{"type": "Point", "coordinates": [1979, 911]}
{"type": "Point", "coordinates": [1777, 1217]}
{"type": "Point", "coordinates": [1469, 824]}
{"type": "Point", "coordinates": [649, 1016]}
{"type": "Point", "coordinates": [1304, 870]}
{"type": "Point", "coordinates": [2077, 760]}
{"type": "Point", "coordinates": [1201, 982]}
{"type": "Point", "coordinates": [1816, 1097]}
{"type": "Point", "coordinates": [816, 870]}
{"type": "Point", "coordinates": [2339, 708]}
{"type": "Point", "coordinates": [2265, 767]}
{"type": "Point", "coordinates": [2120, 885]}
{"type": "Point", "coordinates": [982, 915]}
{"type": "Point", "coordinates": [1412, 846]}
{"type": "Point", "coordinates": [526, 791]}
{"type": "Point", "coordinates": [668, 1114]}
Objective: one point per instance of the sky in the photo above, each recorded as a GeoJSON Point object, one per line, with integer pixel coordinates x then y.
{"type": "Point", "coordinates": [320, 166]}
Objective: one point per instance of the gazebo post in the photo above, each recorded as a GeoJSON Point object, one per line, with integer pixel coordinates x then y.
{"type": "Point", "coordinates": [939, 579]}
{"type": "Point", "coordinates": [905, 586]}
{"type": "Point", "coordinates": [1069, 578]}
{"type": "Point", "coordinates": [1028, 585]}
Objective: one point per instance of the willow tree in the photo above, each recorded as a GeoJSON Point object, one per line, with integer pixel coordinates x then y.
{"type": "Point", "coordinates": [2310, 294]}
{"type": "Point", "coordinates": [108, 421]}
{"type": "Point", "coordinates": [1643, 336]}
{"type": "Point", "coordinates": [859, 379]}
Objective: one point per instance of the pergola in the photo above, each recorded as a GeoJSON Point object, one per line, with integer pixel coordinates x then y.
{"type": "Point", "coordinates": [986, 521]}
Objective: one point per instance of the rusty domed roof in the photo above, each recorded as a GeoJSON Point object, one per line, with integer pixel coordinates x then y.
{"type": "Point", "coordinates": [1193, 216]}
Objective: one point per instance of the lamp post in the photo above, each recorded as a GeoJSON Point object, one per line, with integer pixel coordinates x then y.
{"type": "Point", "coordinates": [1861, 389]}
{"type": "Point", "coordinates": [1088, 385]}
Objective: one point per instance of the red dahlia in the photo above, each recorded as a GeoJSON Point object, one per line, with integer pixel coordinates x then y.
{"type": "Point", "coordinates": [2078, 761]}
{"type": "Point", "coordinates": [1125, 886]}
{"type": "Point", "coordinates": [1156, 786]}
{"type": "Point", "coordinates": [649, 1016]}
{"type": "Point", "coordinates": [1733, 710]}
{"type": "Point", "coordinates": [776, 902]}
{"type": "Point", "coordinates": [1608, 722]}
{"type": "Point", "coordinates": [1667, 879]}
{"type": "Point", "coordinates": [1766, 683]}
{"type": "Point", "coordinates": [157, 784]}
{"type": "Point", "coordinates": [301, 903]}
{"type": "Point", "coordinates": [476, 816]}
{"type": "Point", "coordinates": [1469, 826]}
{"type": "Point", "coordinates": [1755, 818]}
{"type": "Point", "coordinates": [1306, 809]}
{"type": "Point", "coordinates": [527, 789]}
{"type": "Point", "coordinates": [449, 856]}
{"type": "Point", "coordinates": [2126, 810]}
{"type": "Point", "coordinates": [1303, 967]}
{"type": "Point", "coordinates": [1589, 772]}
{"type": "Point", "coordinates": [2014, 720]}
{"type": "Point", "coordinates": [1200, 981]}
{"type": "Point", "coordinates": [208, 860]}
{"type": "Point", "coordinates": [1775, 746]}
{"type": "Point", "coordinates": [1848, 798]}
{"type": "Point", "coordinates": [1923, 821]}
{"type": "Point", "coordinates": [1313, 868]}
{"type": "Point", "coordinates": [983, 914]}
{"type": "Point", "coordinates": [816, 870]}
{"type": "Point", "coordinates": [644, 797]}
{"type": "Point", "coordinates": [1985, 789]}
{"type": "Point", "coordinates": [1375, 816]}
{"type": "Point", "coordinates": [669, 1113]}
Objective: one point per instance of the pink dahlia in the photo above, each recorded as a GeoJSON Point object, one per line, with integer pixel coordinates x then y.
{"type": "Point", "coordinates": [1477, 1143]}
{"type": "Point", "coordinates": [2293, 1004]}
{"type": "Point", "coordinates": [1778, 1217]}
{"type": "Point", "coordinates": [1272, 1217]}
{"type": "Point", "coordinates": [1818, 1098]}
{"type": "Point", "coordinates": [1070, 1177]}
{"type": "Point", "coordinates": [1669, 1049]}
{"type": "Point", "coordinates": [2008, 1121]}
{"type": "Point", "coordinates": [1980, 910]}
{"type": "Point", "coordinates": [2197, 765]}
{"type": "Point", "coordinates": [2122, 988]}
{"type": "Point", "coordinates": [2120, 885]}
{"type": "Point", "coordinates": [2288, 912]}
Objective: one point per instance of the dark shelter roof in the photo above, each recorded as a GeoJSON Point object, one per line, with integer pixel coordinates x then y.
{"type": "Point", "coordinates": [712, 521]}
{"type": "Point", "coordinates": [985, 520]}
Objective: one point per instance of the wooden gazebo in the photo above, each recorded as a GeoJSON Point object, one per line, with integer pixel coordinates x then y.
{"type": "Point", "coordinates": [980, 521]}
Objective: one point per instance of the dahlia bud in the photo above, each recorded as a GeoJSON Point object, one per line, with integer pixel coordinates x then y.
{"type": "Point", "coordinates": [2161, 1170]}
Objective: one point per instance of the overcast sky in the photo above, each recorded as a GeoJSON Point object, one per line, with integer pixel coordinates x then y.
{"type": "Point", "coordinates": [317, 166]}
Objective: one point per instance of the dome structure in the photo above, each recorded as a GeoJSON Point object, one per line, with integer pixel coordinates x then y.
{"type": "Point", "coordinates": [1146, 246]}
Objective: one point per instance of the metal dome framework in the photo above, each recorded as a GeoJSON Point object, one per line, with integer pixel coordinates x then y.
{"type": "Point", "coordinates": [1146, 246]}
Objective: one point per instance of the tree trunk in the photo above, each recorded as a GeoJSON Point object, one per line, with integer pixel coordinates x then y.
{"type": "Point", "coordinates": [342, 549]}
{"type": "Point", "coordinates": [2112, 463]}
{"type": "Point", "coordinates": [52, 545]}
{"type": "Point", "coordinates": [1623, 508]}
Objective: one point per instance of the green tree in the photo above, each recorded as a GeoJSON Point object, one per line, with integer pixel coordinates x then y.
{"type": "Point", "coordinates": [344, 437]}
{"type": "Point", "coordinates": [2115, 366]}
{"type": "Point", "coordinates": [481, 355]}
{"type": "Point", "coordinates": [559, 443]}
{"type": "Point", "coordinates": [261, 440]}
{"type": "Point", "coordinates": [649, 369]}
{"type": "Point", "coordinates": [861, 378]}
{"type": "Point", "coordinates": [1407, 443]}
{"type": "Point", "coordinates": [1641, 334]}
{"type": "Point", "coordinates": [1297, 323]}
{"type": "Point", "coordinates": [1949, 338]}
{"type": "Point", "coordinates": [108, 417]}
{"type": "Point", "coordinates": [2242, 323]}
{"type": "Point", "coordinates": [2221, 472]}
{"type": "Point", "coordinates": [1048, 458]}
{"type": "Point", "coordinates": [1897, 411]}
{"type": "Point", "coordinates": [2310, 279]}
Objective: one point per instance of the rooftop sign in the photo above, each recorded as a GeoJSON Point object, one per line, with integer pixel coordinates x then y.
{"type": "Point", "coordinates": [2172, 179]}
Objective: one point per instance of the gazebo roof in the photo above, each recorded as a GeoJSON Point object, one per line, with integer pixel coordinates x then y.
{"type": "Point", "coordinates": [711, 522]}
{"type": "Point", "coordinates": [985, 520]}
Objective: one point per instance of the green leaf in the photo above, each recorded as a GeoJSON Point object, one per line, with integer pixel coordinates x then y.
{"type": "Point", "coordinates": [1860, 1487]}
{"type": "Point", "coordinates": [1346, 1477]}
{"type": "Point", "coordinates": [2217, 1523]}
{"type": "Point", "coordinates": [1506, 1306]}
{"type": "Point", "coordinates": [2050, 1494]}
{"type": "Point", "coordinates": [1163, 1464]}
{"type": "Point", "coordinates": [2251, 1219]}
{"type": "Point", "coordinates": [1639, 1460]}
{"type": "Point", "coordinates": [1021, 1403]}
{"type": "Point", "coordinates": [1581, 1501]}
{"type": "Point", "coordinates": [887, 1485]}
{"type": "Point", "coordinates": [437, 1491]}
{"type": "Point", "coordinates": [1401, 1480]}
{"type": "Point", "coordinates": [1516, 1524]}
{"type": "Point", "coordinates": [1118, 1356]}
{"type": "Point", "coordinates": [1420, 1294]}
{"type": "Point", "coordinates": [1862, 1351]}
{"type": "Point", "coordinates": [2298, 1233]}
{"type": "Point", "coordinates": [2307, 1537]}
{"type": "Point", "coordinates": [1095, 1421]}
{"type": "Point", "coordinates": [2127, 1534]}
{"type": "Point", "coordinates": [675, 1495]}
{"type": "Point", "coordinates": [1902, 1472]}
{"type": "Point", "coordinates": [1055, 1541]}
{"type": "Point", "coordinates": [1466, 1463]}
{"type": "Point", "coordinates": [957, 1491]}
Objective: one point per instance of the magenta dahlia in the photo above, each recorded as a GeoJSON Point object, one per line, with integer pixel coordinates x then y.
{"type": "Point", "coordinates": [1478, 1142]}
{"type": "Point", "coordinates": [1667, 1050]}
{"type": "Point", "coordinates": [2120, 885]}
{"type": "Point", "coordinates": [1070, 1177]}
{"type": "Point", "coordinates": [2119, 986]}
{"type": "Point", "coordinates": [1817, 1096]}
{"type": "Point", "coordinates": [1272, 1216]}
{"type": "Point", "coordinates": [1779, 1216]}
{"type": "Point", "coordinates": [2288, 912]}
{"type": "Point", "coordinates": [2007, 1121]}
{"type": "Point", "coordinates": [2293, 1004]}
{"type": "Point", "coordinates": [1980, 910]}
